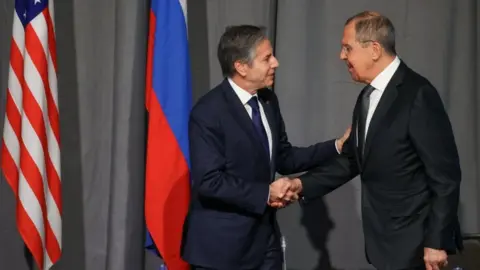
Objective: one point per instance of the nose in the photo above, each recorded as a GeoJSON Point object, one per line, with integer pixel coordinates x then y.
{"type": "Point", "coordinates": [275, 62]}
{"type": "Point", "coordinates": [343, 55]}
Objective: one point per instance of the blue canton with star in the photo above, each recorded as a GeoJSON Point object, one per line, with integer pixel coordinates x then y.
{"type": "Point", "coordinates": [27, 10]}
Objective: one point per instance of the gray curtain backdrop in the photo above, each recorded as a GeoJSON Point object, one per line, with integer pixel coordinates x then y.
{"type": "Point", "coordinates": [101, 54]}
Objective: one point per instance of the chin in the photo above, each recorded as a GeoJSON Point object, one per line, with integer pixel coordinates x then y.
{"type": "Point", "coordinates": [355, 77]}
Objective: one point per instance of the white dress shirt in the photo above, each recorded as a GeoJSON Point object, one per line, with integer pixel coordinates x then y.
{"type": "Point", "coordinates": [380, 83]}
{"type": "Point", "coordinates": [244, 97]}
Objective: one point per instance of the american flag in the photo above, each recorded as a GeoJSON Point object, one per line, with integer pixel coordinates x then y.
{"type": "Point", "coordinates": [30, 154]}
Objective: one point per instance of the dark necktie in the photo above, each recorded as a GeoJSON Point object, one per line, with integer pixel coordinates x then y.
{"type": "Point", "coordinates": [362, 119]}
{"type": "Point", "coordinates": [257, 122]}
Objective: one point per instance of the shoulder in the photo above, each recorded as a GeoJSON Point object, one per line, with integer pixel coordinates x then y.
{"type": "Point", "coordinates": [210, 103]}
{"type": "Point", "coordinates": [422, 91]}
{"type": "Point", "coordinates": [418, 85]}
{"type": "Point", "coordinates": [415, 80]}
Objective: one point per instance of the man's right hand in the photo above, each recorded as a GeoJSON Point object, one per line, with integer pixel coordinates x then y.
{"type": "Point", "coordinates": [284, 191]}
{"type": "Point", "coordinates": [278, 189]}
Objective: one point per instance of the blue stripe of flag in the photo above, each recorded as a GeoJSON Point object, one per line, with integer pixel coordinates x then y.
{"type": "Point", "coordinates": [171, 68]}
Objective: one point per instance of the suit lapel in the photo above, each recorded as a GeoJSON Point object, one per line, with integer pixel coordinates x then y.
{"type": "Point", "coordinates": [241, 115]}
{"type": "Point", "coordinates": [386, 101]}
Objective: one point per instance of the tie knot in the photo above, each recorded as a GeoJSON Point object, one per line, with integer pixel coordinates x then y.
{"type": "Point", "coordinates": [368, 90]}
{"type": "Point", "coordinates": [253, 102]}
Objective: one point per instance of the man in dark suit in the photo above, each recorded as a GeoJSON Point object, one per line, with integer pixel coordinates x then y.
{"type": "Point", "coordinates": [237, 143]}
{"type": "Point", "coordinates": [402, 146]}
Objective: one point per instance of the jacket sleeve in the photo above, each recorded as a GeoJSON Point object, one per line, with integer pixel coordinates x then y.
{"type": "Point", "coordinates": [328, 177]}
{"type": "Point", "coordinates": [432, 136]}
{"type": "Point", "coordinates": [291, 159]}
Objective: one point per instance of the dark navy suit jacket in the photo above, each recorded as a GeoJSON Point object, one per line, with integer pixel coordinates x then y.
{"type": "Point", "coordinates": [229, 222]}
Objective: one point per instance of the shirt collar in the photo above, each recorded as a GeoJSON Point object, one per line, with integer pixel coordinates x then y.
{"type": "Point", "coordinates": [242, 94]}
{"type": "Point", "coordinates": [381, 81]}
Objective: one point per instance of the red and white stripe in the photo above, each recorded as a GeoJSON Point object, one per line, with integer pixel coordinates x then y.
{"type": "Point", "coordinates": [31, 137]}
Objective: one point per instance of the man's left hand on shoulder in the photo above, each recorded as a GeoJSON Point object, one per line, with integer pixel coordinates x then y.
{"type": "Point", "coordinates": [340, 141]}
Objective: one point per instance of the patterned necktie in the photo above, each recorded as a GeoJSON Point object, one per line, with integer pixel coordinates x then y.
{"type": "Point", "coordinates": [257, 122]}
{"type": "Point", "coordinates": [362, 120]}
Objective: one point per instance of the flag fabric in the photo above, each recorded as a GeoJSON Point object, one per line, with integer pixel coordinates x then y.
{"type": "Point", "coordinates": [168, 102]}
{"type": "Point", "coordinates": [30, 152]}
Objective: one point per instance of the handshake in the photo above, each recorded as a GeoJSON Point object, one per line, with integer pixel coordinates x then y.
{"type": "Point", "coordinates": [284, 191]}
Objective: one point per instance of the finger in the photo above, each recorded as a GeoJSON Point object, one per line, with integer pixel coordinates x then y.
{"type": "Point", "coordinates": [276, 204]}
{"type": "Point", "coordinates": [295, 186]}
{"type": "Point", "coordinates": [286, 185]}
{"type": "Point", "coordinates": [292, 196]}
{"type": "Point", "coordinates": [284, 190]}
{"type": "Point", "coordinates": [280, 191]}
{"type": "Point", "coordinates": [435, 267]}
{"type": "Point", "coordinates": [428, 266]}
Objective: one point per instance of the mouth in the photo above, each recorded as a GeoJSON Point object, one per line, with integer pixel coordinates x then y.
{"type": "Point", "coordinates": [350, 67]}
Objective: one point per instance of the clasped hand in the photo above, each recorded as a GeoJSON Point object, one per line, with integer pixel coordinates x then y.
{"type": "Point", "coordinates": [283, 192]}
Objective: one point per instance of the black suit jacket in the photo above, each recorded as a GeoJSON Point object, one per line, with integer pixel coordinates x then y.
{"type": "Point", "coordinates": [410, 174]}
{"type": "Point", "coordinates": [229, 222]}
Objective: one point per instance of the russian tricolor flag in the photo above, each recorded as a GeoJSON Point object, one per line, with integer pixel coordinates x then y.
{"type": "Point", "coordinates": [168, 102]}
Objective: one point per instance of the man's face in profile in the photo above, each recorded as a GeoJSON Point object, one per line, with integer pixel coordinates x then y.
{"type": "Point", "coordinates": [357, 55]}
{"type": "Point", "coordinates": [261, 71]}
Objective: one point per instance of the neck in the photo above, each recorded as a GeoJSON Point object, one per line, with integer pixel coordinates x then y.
{"type": "Point", "coordinates": [379, 66]}
{"type": "Point", "coordinates": [245, 85]}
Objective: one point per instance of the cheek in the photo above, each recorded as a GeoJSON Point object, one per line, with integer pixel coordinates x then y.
{"type": "Point", "coordinates": [357, 65]}
{"type": "Point", "coordinates": [261, 72]}
{"type": "Point", "coordinates": [252, 74]}
{"type": "Point", "coordinates": [266, 71]}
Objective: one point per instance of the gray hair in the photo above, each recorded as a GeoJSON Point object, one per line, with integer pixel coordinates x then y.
{"type": "Point", "coordinates": [239, 43]}
{"type": "Point", "coordinates": [372, 26]}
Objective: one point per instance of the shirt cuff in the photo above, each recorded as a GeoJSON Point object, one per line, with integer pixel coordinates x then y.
{"type": "Point", "coordinates": [335, 143]}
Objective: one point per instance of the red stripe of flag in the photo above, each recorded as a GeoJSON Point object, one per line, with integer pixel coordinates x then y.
{"type": "Point", "coordinates": [45, 188]}
{"type": "Point", "coordinates": [167, 99]}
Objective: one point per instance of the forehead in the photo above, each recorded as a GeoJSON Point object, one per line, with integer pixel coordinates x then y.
{"type": "Point", "coordinates": [264, 48]}
{"type": "Point", "coordinates": [349, 33]}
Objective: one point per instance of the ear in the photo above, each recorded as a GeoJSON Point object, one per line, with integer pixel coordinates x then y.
{"type": "Point", "coordinates": [241, 68]}
{"type": "Point", "coordinates": [377, 51]}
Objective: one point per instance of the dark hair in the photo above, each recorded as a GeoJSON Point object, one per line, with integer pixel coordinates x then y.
{"type": "Point", "coordinates": [372, 26]}
{"type": "Point", "coordinates": [238, 43]}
